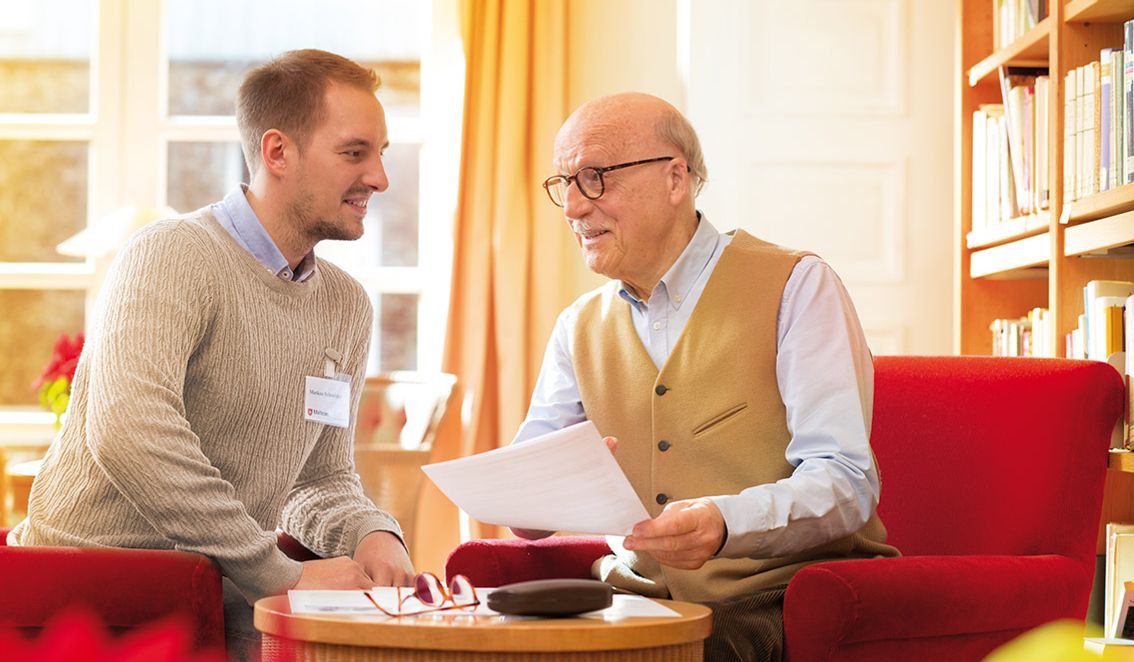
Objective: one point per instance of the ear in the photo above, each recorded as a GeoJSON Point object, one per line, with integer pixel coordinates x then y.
{"type": "Point", "coordinates": [276, 150]}
{"type": "Point", "coordinates": [678, 180]}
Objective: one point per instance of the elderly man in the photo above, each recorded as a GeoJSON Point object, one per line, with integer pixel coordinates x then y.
{"type": "Point", "coordinates": [732, 373]}
{"type": "Point", "coordinates": [214, 400]}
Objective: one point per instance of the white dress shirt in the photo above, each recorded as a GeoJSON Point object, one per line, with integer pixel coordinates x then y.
{"type": "Point", "coordinates": [826, 379]}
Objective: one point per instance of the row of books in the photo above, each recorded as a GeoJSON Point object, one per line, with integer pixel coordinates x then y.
{"type": "Point", "coordinates": [1010, 140]}
{"type": "Point", "coordinates": [1012, 18]}
{"type": "Point", "coordinates": [1024, 336]}
{"type": "Point", "coordinates": [1108, 311]}
{"type": "Point", "coordinates": [1098, 142]}
{"type": "Point", "coordinates": [1118, 606]}
{"type": "Point", "coordinates": [1010, 151]}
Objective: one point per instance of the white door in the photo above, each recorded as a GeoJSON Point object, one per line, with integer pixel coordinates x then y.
{"type": "Point", "coordinates": [827, 126]}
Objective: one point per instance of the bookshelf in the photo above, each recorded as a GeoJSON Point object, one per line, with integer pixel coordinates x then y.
{"type": "Point", "coordinates": [1043, 259]}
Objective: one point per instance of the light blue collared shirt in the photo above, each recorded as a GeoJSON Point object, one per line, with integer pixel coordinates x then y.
{"type": "Point", "coordinates": [236, 216]}
{"type": "Point", "coordinates": [826, 379]}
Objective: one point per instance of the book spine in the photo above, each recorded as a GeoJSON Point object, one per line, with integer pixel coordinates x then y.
{"type": "Point", "coordinates": [1128, 98]}
{"type": "Point", "coordinates": [1104, 119]}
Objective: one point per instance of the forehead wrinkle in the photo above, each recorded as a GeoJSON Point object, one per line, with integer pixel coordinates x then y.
{"type": "Point", "coordinates": [596, 142]}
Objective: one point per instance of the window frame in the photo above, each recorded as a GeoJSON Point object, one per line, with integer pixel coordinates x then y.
{"type": "Point", "coordinates": [129, 88]}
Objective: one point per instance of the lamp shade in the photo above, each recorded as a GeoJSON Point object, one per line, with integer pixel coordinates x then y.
{"type": "Point", "coordinates": [110, 232]}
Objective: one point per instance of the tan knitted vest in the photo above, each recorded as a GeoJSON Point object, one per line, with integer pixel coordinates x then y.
{"type": "Point", "coordinates": [716, 405]}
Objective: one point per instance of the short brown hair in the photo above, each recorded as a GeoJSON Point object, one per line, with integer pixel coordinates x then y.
{"type": "Point", "coordinates": [287, 94]}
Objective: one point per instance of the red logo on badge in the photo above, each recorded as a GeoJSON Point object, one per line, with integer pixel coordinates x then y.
{"type": "Point", "coordinates": [309, 410]}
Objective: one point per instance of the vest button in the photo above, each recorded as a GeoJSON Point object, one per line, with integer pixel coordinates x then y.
{"type": "Point", "coordinates": [661, 499]}
{"type": "Point", "coordinates": [660, 389]}
{"type": "Point", "coordinates": [663, 445]}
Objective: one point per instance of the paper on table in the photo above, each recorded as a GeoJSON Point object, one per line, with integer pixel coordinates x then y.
{"type": "Point", "coordinates": [343, 603]}
{"type": "Point", "coordinates": [566, 480]}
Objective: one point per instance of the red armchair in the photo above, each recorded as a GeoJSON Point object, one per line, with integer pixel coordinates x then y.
{"type": "Point", "coordinates": [125, 588]}
{"type": "Point", "coordinates": [992, 474]}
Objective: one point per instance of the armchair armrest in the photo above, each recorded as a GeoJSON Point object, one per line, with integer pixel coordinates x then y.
{"type": "Point", "coordinates": [497, 562]}
{"type": "Point", "coordinates": [125, 587]}
{"type": "Point", "coordinates": [839, 603]}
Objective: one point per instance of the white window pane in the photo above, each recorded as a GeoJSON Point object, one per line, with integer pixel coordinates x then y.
{"type": "Point", "coordinates": [397, 329]}
{"type": "Point", "coordinates": [396, 209]}
{"type": "Point", "coordinates": [210, 45]}
{"type": "Point", "coordinates": [43, 198]}
{"type": "Point", "coordinates": [202, 173]}
{"type": "Point", "coordinates": [45, 52]}
{"type": "Point", "coordinates": [33, 319]}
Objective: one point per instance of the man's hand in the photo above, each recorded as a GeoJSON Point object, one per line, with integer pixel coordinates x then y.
{"type": "Point", "coordinates": [685, 535]}
{"type": "Point", "coordinates": [536, 534]}
{"type": "Point", "coordinates": [383, 556]}
{"type": "Point", "coordinates": [340, 572]}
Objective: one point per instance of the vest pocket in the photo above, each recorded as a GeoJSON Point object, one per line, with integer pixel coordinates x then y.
{"type": "Point", "coordinates": [719, 419]}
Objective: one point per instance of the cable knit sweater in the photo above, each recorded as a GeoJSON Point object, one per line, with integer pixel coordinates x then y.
{"type": "Point", "coordinates": [186, 428]}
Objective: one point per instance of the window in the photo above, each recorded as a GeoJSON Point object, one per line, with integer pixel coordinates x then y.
{"type": "Point", "coordinates": [111, 103]}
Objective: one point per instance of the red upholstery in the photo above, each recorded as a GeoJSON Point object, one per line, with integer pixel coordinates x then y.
{"type": "Point", "coordinates": [126, 588]}
{"type": "Point", "coordinates": [992, 478]}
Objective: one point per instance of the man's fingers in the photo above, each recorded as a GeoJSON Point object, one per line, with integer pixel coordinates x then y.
{"type": "Point", "coordinates": [611, 443]}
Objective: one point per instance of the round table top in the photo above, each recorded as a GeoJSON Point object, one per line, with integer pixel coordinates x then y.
{"type": "Point", "coordinates": [450, 630]}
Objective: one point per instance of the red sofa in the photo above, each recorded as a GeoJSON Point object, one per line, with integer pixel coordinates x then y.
{"type": "Point", "coordinates": [125, 588]}
{"type": "Point", "coordinates": [992, 479]}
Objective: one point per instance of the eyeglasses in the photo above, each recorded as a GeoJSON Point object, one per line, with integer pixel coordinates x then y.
{"type": "Point", "coordinates": [431, 592]}
{"type": "Point", "coordinates": [589, 181]}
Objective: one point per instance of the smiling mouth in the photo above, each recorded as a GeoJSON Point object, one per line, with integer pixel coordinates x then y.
{"type": "Point", "coordinates": [357, 204]}
{"type": "Point", "coordinates": [590, 234]}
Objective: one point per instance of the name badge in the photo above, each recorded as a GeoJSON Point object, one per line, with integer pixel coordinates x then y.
{"type": "Point", "coordinates": [327, 401]}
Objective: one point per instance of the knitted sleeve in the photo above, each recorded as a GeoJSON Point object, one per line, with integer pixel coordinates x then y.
{"type": "Point", "coordinates": [154, 311]}
{"type": "Point", "coordinates": [327, 510]}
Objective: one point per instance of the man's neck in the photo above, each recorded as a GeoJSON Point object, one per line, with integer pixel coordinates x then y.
{"type": "Point", "coordinates": [273, 216]}
{"type": "Point", "coordinates": [641, 286]}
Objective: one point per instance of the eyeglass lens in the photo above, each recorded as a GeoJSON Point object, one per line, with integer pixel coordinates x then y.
{"type": "Point", "coordinates": [589, 181]}
{"type": "Point", "coordinates": [428, 590]}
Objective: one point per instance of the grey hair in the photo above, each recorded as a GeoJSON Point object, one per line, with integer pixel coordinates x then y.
{"type": "Point", "coordinates": [673, 128]}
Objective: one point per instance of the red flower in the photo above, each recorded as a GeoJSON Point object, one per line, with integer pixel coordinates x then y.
{"type": "Point", "coordinates": [64, 359]}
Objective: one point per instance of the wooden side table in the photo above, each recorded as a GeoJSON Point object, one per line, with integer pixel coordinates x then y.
{"type": "Point", "coordinates": [466, 637]}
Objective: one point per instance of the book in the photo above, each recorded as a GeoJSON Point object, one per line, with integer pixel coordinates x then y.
{"type": "Point", "coordinates": [1107, 326]}
{"type": "Point", "coordinates": [980, 175]}
{"type": "Point", "coordinates": [1117, 149]}
{"type": "Point", "coordinates": [1119, 570]}
{"type": "Point", "coordinates": [1043, 154]}
{"type": "Point", "coordinates": [1104, 106]}
{"type": "Point", "coordinates": [1128, 98]}
{"type": "Point", "coordinates": [1094, 324]}
{"type": "Point", "coordinates": [1017, 89]}
{"type": "Point", "coordinates": [1070, 128]}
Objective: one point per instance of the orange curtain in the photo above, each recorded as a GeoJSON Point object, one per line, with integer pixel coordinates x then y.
{"type": "Point", "coordinates": [510, 247]}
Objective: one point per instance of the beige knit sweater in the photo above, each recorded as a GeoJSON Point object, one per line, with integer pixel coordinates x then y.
{"type": "Point", "coordinates": [186, 428]}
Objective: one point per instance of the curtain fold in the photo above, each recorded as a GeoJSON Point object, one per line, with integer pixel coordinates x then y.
{"type": "Point", "coordinates": [510, 248]}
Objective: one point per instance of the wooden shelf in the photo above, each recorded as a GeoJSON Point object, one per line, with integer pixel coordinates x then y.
{"type": "Point", "coordinates": [1100, 235]}
{"type": "Point", "coordinates": [1121, 461]}
{"type": "Point", "coordinates": [1034, 251]}
{"type": "Point", "coordinates": [1085, 11]}
{"type": "Point", "coordinates": [1107, 203]}
{"type": "Point", "coordinates": [1030, 50]}
{"type": "Point", "coordinates": [1016, 228]}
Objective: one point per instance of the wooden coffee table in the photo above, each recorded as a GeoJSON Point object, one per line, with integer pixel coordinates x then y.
{"type": "Point", "coordinates": [453, 636]}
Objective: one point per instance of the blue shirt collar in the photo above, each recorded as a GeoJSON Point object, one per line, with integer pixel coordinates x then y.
{"type": "Point", "coordinates": [236, 215]}
{"type": "Point", "coordinates": [683, 273]}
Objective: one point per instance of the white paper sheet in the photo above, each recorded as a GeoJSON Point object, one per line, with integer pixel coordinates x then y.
{"type": "Point", "coordinates": [563, 481]}
{"type": "Point", "coordinates": [340, 603]}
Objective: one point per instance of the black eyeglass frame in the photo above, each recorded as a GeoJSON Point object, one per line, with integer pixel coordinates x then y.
{"type": "Point", "coordinates": [599, 172]}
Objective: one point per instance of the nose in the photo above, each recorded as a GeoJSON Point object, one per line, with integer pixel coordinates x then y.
{"type": "Point", "coordinates": [375, 176]}
{"type": "Point", "coordinates": [575, 204]}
